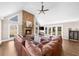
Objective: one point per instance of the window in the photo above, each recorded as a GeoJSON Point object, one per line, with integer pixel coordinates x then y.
{"type": "Point", "coordinates": [49, 30]}
{"type": "Point", "coordinates": [53, 30]}
{"type": "Point", "coordinates": [36, 30]}
{"type": "Point", "coordinates": [13, 30]}
{"type": "Point", "coordinates": [45, 30]}
{"type": "Point", "coordinates": [59, 30]}
{"type": "Point", "coordinates": [14, 18]}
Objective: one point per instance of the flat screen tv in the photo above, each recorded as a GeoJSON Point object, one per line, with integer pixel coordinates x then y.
{"type": "Point", "coordinates": [41, 28]}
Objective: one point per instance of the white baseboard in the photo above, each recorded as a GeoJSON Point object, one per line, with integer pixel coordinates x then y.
{"type": "Point", "coordinates": [6, 40]}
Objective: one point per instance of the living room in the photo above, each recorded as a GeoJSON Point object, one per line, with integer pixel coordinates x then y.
{"type": "Point", "coordinates": [39, 29]}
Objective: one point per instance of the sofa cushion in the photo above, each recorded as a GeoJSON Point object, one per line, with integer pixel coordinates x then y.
{"type": "Point", "coordinates": [44, 37]}
{"type": "Point", "coordinates": [19, 39]}
{"type": "Point", "coordinates": [44, 40]}
{"type": "Point", "coordinates": [29, 37]}
{"type": "Point", "coordinates": [23, 43]}
{"type": "Point", "coordinates": [49, 48]}
{"type": "Point", "coordinates": [52, 47]}
{"type": "Point", "coordinates": [32, 48]}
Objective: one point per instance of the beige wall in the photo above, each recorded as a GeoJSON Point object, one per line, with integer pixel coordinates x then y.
{"type": "Point", "coordinates": [0, 31]}
{"type": "Point", "coordinates": [66, 26]}
{"type": "Point", "coordinates": [4, 29]}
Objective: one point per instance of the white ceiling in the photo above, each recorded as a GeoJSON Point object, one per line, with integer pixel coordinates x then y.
{"type": "Point", "coordinates": [58, 11]}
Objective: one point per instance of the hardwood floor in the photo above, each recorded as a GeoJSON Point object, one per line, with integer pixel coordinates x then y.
{"type": "Point", "coordinates": [7, 49]}
{"type": "Point", "coordinates": [70, 48]}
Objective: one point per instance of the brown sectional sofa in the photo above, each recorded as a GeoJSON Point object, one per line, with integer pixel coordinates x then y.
{"type": "Point", "coordinates": [24, 47]}
{"type": "Point", "coordinates": [54, 47]}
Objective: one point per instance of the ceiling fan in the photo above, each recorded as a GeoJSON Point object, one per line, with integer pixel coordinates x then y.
{"type": "Point", "coordinates": [42, 9]}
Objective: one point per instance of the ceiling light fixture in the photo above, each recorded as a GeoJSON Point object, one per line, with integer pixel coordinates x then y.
{"type": "Point", "coordinates": [42, 9]}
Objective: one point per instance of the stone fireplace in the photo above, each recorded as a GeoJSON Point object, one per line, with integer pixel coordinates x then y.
{"type": "Point", "coordinates": [28, 31]}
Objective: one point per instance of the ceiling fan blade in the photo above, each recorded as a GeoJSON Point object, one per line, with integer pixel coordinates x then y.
{"type": "Point", "coordinates": [43, 12]}
{"type": "Point", "coordinates": [46, 10]}
{"type": "Point", "coordinates": [40, 11]}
